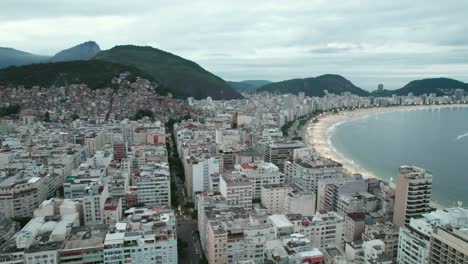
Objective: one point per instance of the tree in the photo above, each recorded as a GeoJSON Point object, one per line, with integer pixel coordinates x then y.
{"type": "Point", "coordinates": [194, 214]}
{"type": "Point", "coordinates": [47, 117]}
{"type": "Point", "coordinates": [142, 113]}
{"type": "Point", "coordinates": [10, 110]}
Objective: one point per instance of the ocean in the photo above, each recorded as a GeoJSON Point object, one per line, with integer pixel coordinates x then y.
{"type": "Point", "coordinates": [435, 139]}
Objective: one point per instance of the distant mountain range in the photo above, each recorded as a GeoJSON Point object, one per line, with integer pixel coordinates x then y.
{"type": "Point", "coordinates": [86, 63]}
{"type": "Point", "coordinates": [314, 86]}
{"type": "Point", "coordinates": [439, 86]}
{"type": "Point", "coordinates": [13, 57]}
{"type": "Point", "coordinates": [248, 85]}
{"type": "Point", "coordinates": [83, 51]}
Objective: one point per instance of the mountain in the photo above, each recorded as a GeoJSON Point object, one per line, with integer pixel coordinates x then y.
{"type": "Point", "coordinates": [9, 57]}
{"type": "Point", "coordinates": [182, 77]}
{"type": "Point", "coordinates": [95, 73]}
{"type": "Point", "coordinates": [314, 86]}
{"type": "Point", "coordinates": [83, 51]}
{"type": "Point", "coordinates": [248, 85]}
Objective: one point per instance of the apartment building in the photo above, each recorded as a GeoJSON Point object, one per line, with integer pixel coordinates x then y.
{"type": "Point", "coordinates": [153, 185]}
{"type": "Point", "coordinates": [412, 195]}
{"type": "Point", "coordinates": [308, 172]}
{"type": "Point", "coordinates": [273, 197]}
{"type": "Point", "coordinates": [21, 194]}
{"type": "Point", "coordinates": [237, 190]}
{"type": "Point", "coordinates": [280, 151]}
{"type": "Point", "coordinates": [260, 173]}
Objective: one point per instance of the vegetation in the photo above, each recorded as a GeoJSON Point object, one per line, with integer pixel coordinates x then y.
{"type": "Point", "coordinates": [249, 85]}
{"type": "Point", "coordinates": [285, 128]}
{"type": "Point", "coordinates": [183, 78]}
{"type": "Point", "coordinates": [439, 86]}
{"type": "Point", "coordinates": [95, 73]}
{"type": "Point", "coordinates": [142, 113]}
{"type": "Point", "coordinates": [10, 110]}
{"type": "Point", "coordinates": [194, 214]}
{"type": "Point", "coordinates": [315, 86]}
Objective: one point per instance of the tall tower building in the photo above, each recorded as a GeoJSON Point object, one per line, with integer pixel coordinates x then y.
{"type": "Point", "coordinates": [413, 194]}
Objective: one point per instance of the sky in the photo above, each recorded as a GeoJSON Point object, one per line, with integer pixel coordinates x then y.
{"type": "Point", "coordinates": [367, 41]}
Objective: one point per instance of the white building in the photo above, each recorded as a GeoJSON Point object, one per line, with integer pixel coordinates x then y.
{"type": "Point", "coordinates": [261, 173]}
{"type": "Point", "coordinates": [148, 236]}
{"type": "Point", "coordinates": [299, 201]}
{"type": "Point", "coordinates": [153, 185]}
{"type": "Point", "coordinates": [94, 199]}
{"type": "Point", "coordinates": [198, 172]}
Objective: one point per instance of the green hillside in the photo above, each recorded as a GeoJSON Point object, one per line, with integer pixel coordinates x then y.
{"type": "Point", "coordinates": [248, 85]}
{"type": "Point", "coordinates": [96, 74]}
{"type": "Point", "coordinates": [184, 78]}
{"type": "Point", "coordinates": [314, 86]}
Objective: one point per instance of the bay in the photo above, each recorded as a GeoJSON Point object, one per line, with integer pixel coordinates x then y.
{"type": "Point", "coordinates": [435, 139]}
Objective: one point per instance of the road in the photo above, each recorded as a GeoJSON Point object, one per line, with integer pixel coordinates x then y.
{"type": "Point", "coordinates": [187, 228]}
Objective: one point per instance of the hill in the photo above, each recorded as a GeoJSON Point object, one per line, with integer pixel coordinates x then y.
{"type": "Point", "coordinates": [9, 57]}
{"type": "Point", "coordinates": [248, 85]}
{"type": "Point", "coordinates": [95, 73]}
{"type": "Point", "coordinates": [184, 78]}
{"type": "Point", "coordinates": [315, 86]}
{"type": "Point", "coordinates": [83, 51]}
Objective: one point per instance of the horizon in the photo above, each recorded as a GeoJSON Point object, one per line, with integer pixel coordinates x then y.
{"type": "Point", "coordinates": [366, 42]}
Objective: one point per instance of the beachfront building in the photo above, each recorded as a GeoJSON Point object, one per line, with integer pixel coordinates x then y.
{"type": "Point", "coordinates": [441, 233]}
{"type": "Point", "coordinates": [412, 195]}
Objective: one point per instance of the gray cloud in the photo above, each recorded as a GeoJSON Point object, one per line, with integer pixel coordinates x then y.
{"type": "Point", "coordinates": [367, 41]}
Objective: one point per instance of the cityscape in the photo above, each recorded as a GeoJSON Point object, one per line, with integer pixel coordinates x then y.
{"type": "Point", "coordinates": [256, 150]}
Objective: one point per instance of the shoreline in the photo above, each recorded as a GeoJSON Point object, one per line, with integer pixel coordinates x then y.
{"type": "Point", "coordinates": [317, 134]}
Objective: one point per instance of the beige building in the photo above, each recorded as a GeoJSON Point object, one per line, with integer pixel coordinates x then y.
{"type": "Point", "coordinates": [237, 190]}
{"type": "Point", "coordinates": [449, 245]}
{"type": "Point", "coordinates": [20, 195]}
{"type": "Point", "coordinates": [273, 197]}
{"type": "Point", "coordinates": [413, 194]}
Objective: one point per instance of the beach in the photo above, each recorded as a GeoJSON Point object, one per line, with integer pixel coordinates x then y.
{"type": "Point", "coordinates": [317, 134]}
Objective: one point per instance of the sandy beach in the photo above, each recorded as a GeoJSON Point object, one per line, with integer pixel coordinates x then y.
{"type": "Point", "coordinates": [317, 133]}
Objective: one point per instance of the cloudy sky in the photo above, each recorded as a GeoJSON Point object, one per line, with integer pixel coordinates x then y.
{"type": "Point", "coordinates": [367, 41]}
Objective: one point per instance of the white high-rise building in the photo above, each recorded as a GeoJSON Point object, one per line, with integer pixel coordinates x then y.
{"type": "Point", "coordinates": [198, 172]}
{"type": "Point", "coordinates": [94, 198]}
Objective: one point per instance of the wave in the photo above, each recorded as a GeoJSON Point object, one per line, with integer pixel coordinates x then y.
{"type": "Point", "coordinates": [462, 136]}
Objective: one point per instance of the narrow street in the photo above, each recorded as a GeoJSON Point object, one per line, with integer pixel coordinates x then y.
{"type": "Point", "coordinates": [187, 229]}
